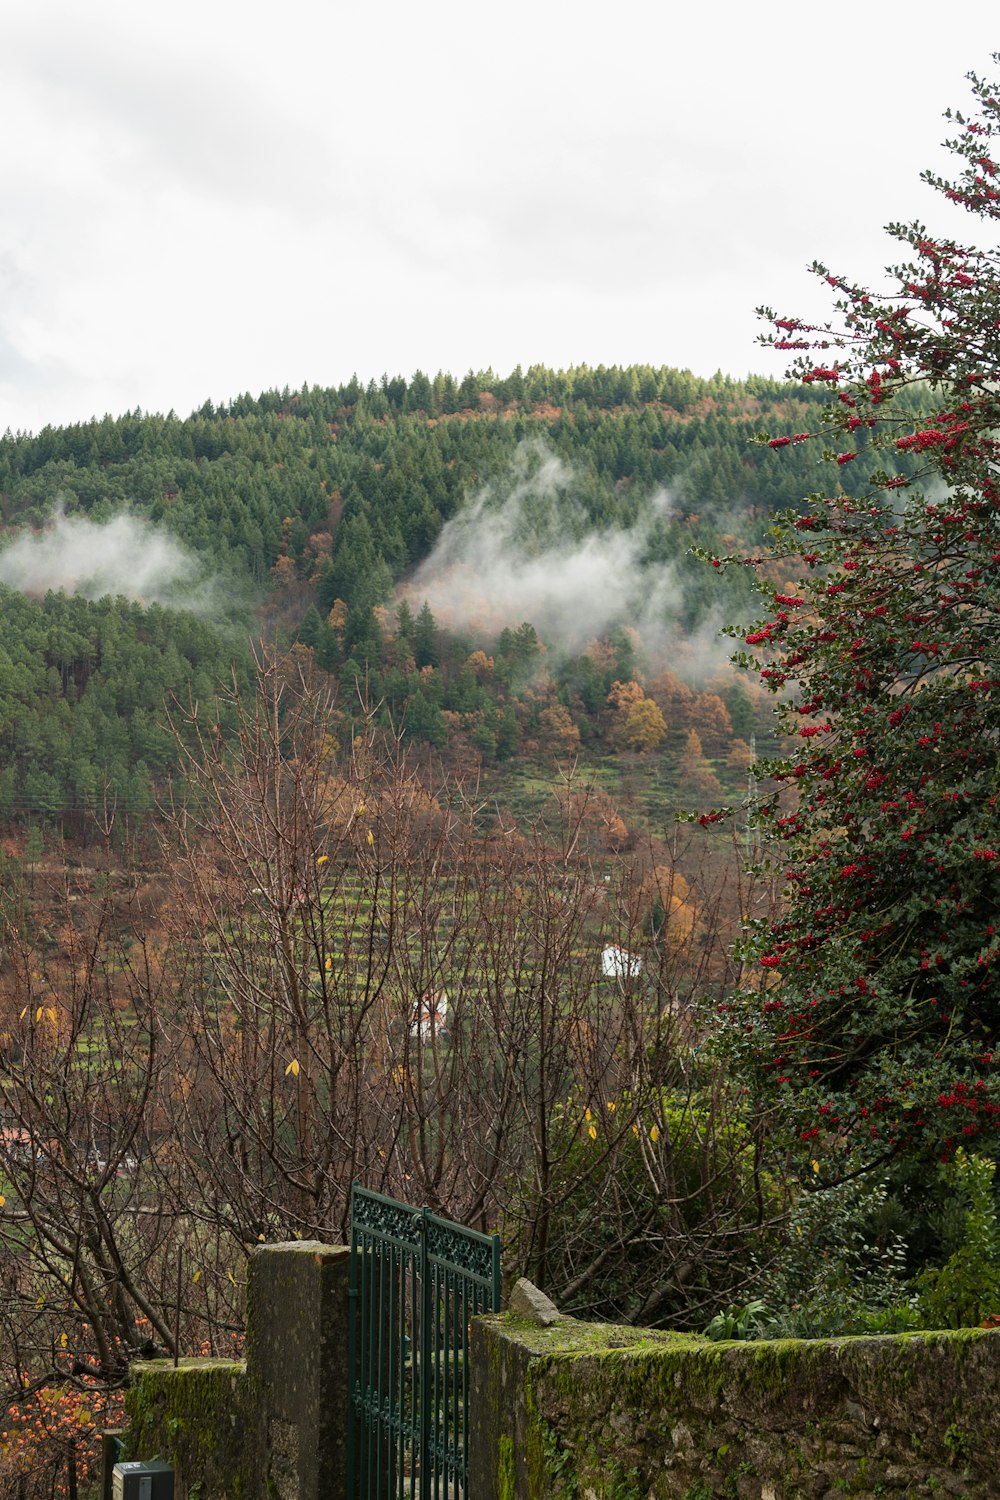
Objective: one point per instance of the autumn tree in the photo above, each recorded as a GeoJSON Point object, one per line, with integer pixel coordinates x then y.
{"type": "Point", "coordinates": [697, 783]}
{"type": "Point", "coordinates": [715, 727]}
{"type": "Point", "coordinates": [674, 698]}
{"type": "Point", "coordinates": [400, 988]}
{"type": "Point", "coordinates": [671, 906]}
{"type": "Point", "coordinates": [558, 733]}
{"type": "Point", "coordinates": [644, 726]}
{"type": "Point", "coordinates": [740, 757]}
{"type": "Point", "coordinates": [623, 696]}
{"type": "Point", "coordinates": [882, 1034]}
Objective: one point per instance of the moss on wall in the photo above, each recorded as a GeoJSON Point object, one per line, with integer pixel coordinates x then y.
{"type": "Point", "coordinates": [197, 1418]}
{"type": "Point", "coordinates": [275, 1426]}
{"type": "Point", "coordinates": [585, 1412]}
{"type": "Point", "coordinates": [505, 1470]}
{"type": "Point", "coordinates": [603, 1413]}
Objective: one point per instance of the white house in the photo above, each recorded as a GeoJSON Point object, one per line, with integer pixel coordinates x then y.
{"type": "Point", "coordinates": [429, 1015]}
{"type": "Point", "coordinates": [619, 963]}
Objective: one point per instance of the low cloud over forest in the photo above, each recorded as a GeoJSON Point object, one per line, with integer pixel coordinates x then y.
{"type": "Point", "coordinates": [125, 556]}
{"type": "Point", "coordinates": [525, 548]}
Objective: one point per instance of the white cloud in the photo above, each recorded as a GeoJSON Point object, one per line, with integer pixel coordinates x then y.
{"type": "Point", "coordinates": [522, 549]}
{"type": "Point", "coordinates": [124, 555]}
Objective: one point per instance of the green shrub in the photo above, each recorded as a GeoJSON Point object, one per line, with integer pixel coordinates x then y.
{"type": "Point", "coordinates": [966, 1289]}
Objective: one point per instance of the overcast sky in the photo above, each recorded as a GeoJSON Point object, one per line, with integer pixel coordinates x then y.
{"type": "Point", "coordinates": [212, 196]}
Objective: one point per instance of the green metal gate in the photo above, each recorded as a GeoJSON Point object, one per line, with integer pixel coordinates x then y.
{"type": "Point", "coordinates": [416, 1280]}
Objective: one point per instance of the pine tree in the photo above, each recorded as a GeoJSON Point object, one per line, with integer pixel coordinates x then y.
{"type": "Point", "coordinates": [426, 652]}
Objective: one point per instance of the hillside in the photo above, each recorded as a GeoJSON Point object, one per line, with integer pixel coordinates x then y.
{"type": "Point", "coordinates": [487, 558]}
{"type": "Point", "coordinates": [343, 738]}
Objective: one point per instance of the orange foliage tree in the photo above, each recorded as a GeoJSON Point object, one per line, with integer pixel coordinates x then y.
{"type": "Point", "coordinates": [644, 727]}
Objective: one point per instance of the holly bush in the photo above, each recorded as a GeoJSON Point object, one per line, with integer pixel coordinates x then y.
{"type": "Point", "coordinates": [875, 1010]}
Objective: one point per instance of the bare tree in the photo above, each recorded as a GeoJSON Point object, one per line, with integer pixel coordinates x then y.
{"type": "Point", "coordinates": [398, 985]}
{"type": "Point", "coordinates": [350, 968]}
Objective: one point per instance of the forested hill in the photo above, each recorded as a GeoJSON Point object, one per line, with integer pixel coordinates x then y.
{"type": "Point", "coordinates": [323, 504]}
{"type": "Point", "coordinates": [274, 475]}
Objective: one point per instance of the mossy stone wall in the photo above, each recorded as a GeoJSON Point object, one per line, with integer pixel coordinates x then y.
{"type": "Point", "coordinates": [603, 1413]}
{"type": "Point", "coordinates": [197, 1417]}
{"type": "Point", "coordinates": [583, 1411]}
{"type": "Point", "coordinates": [274, 1428]}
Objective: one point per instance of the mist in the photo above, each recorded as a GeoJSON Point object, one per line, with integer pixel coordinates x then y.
{"type": "Point", "coordinates": [524, 548]}
{"type": "Point", "coordinates": [125, 556]}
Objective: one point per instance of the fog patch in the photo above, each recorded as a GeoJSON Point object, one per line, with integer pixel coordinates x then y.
{"type": "Point", "coordinates": [123, 556]}
{"type": "Point", "coordinates": [525, 549]}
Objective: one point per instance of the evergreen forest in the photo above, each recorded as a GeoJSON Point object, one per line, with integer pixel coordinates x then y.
{"type": "Point", "coordinates": [309, 516]}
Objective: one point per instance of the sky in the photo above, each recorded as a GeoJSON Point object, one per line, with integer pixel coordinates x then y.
{"type": "Point", "coordinates": [215, 196]}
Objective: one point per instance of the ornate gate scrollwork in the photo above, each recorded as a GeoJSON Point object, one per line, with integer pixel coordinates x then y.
{"type": "Point", "coordinates": [416, 1281]}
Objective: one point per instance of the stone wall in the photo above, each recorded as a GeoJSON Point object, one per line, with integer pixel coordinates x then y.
{"type": "Point", "coordinates": [582, 1411]}
{"type": "Point", "coordinates": [198, 1417]}
{"type": "Point", "coordinates": [603, 1413]}
{"type": "Point", "coordinates": [276, 1425]}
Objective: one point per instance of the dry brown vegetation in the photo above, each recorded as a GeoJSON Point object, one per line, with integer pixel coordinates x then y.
{"type": "Point", "coordinates": [345, 970]}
